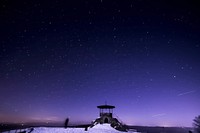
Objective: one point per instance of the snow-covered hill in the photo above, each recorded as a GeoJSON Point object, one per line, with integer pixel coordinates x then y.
{"type": "Point", "coordinates": [99, 128]}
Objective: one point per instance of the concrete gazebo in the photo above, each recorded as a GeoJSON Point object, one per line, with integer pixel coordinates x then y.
{"type": "Point", "coordinates": [106, 116]}
{"type": "Point", "coordinates": [106, 113]}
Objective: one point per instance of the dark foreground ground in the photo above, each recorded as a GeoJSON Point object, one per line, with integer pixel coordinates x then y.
{"type": "Point", "coordinates": [143, 129]}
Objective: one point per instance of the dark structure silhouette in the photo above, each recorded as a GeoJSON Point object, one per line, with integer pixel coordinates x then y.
{"type": "Point", "coordinates": [66, 122]}
{"type": "Point", "coordinates": [106, 113]}
{"type": "Point", "coordinates": [106, 116]}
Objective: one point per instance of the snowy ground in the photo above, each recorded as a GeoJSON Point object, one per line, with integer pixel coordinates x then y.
{"type": "Point", "coordinates": [104, 128]}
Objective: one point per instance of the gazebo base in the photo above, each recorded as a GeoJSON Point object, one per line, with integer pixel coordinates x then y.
{"type": "Point", "coordinates": [113, 123]}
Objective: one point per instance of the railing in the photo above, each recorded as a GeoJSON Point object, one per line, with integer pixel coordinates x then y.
{"type": "Point", "coordinates": [107, 114]}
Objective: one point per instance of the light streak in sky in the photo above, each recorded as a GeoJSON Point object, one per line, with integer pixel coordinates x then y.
{"type": "Point", "coordinates": [185, 93]}
{"type": "Point", "coordinates": [158, 115]}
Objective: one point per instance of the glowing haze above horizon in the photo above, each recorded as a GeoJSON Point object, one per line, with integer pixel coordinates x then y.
{"type": "Point", "coordinates": [62, 59]}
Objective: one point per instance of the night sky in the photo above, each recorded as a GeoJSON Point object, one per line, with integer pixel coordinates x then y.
{"type": "Point", "coordinates": [61, 59]}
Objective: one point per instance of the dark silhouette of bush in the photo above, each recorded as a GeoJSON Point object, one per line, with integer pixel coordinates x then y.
{"type": "Point", "coordinates": [197, 124]}
{"type": "Point", "coordinates": [66, 122]}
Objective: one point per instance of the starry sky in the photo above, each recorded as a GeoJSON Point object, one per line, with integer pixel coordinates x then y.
{"type": "Point", "coordinates": [61, 59]}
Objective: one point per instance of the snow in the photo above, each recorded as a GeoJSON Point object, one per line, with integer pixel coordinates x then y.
{"type": "Point", "coordinates": [99, 128]}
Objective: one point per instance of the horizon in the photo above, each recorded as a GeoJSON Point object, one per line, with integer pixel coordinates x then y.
{"type": "Point", "coordinates": [60, 121]}
{"type": "Point", "coordinates": [60, 59]}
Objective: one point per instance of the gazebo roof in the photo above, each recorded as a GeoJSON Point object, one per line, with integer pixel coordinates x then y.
{"type": "Point", "coordinates": [106, 107]}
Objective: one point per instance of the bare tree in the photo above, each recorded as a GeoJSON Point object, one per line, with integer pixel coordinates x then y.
{"type": "Point", "coordinates": [197, 124]}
